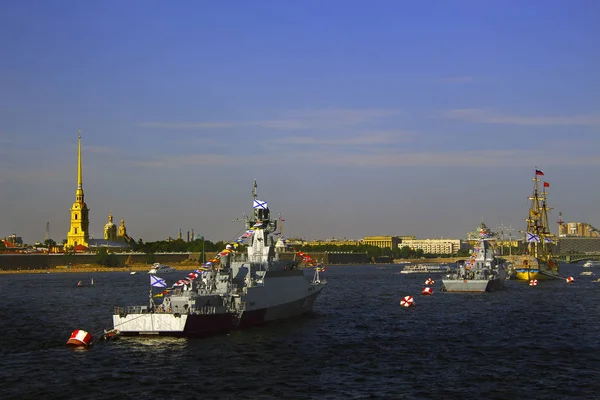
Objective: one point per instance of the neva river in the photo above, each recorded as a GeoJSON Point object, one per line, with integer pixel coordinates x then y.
{"type": "Point", "coordinates": [520, 343]}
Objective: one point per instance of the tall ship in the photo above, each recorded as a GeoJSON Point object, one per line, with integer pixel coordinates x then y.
{"type": "Point", "coordinates": [539, 261]}
{"type": "Point", "coordinates": [483, 272]}
{"type": "Point", "coordinates": [234, 290]}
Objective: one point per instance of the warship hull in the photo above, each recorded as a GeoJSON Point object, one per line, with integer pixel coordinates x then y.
{"type": "Point", "coordinates": [472, 285]}
{"type": "Point", "coordinates": [142, 322]}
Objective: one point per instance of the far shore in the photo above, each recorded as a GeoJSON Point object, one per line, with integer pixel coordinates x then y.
{"type": "Point", "coordinates": [95, 268]}
{"type": "Point", "coordinates": [185, 266]}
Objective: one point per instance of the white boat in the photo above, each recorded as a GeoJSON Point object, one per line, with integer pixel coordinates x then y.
{"type": "Point", "coordinates": [238, 290]}
{"type": "Point", "coordinates": [587, 273]}
{"type": "Point", "coordinates": [158, 268]}
{"type": "Point", "coordinates": [426, 269]}
{"type": "Point", "coordinates": [591, 264]}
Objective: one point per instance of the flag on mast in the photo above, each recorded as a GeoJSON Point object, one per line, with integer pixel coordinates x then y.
{"type": "Point", "coordinates": [157, 281]}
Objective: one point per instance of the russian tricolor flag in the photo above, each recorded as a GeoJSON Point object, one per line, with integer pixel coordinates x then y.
{"type": "Point", "coordinates": [539, 172]}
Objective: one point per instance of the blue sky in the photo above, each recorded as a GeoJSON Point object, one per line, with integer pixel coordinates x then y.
{"type": "Point", "coordinates": [356, 118]}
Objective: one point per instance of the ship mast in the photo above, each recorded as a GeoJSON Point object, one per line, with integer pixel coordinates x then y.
{"type": "Point", "coordinates": [546, 235]}
{"type": "Point", "coordinates": [534, 225]}
{"type": "Point", "coordinates": [537, 222]}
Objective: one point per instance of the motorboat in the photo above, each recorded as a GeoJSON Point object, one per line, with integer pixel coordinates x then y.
{"type": "Point", "coordinates": [158, 268]}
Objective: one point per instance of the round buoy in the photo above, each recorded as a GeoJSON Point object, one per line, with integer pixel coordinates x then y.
{"type": "Point", "coordinates": [533, 282]}
{"type": "Point", "coordinates": [407, 301]}
{"type": "Point", "coordinates": [427, 291]}
{"type": "Point", "coordinates": [80, 338]}
{"type": "Point", "coordinates": [429, 281]}
{"type": "Point", "coordinates": [570, 279]}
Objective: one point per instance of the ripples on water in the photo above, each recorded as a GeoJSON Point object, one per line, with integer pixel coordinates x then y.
{"type": "Point", "coordinates": [520, 343]}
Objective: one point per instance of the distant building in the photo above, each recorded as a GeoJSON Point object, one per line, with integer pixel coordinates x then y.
{"type": "Point", "coordinates": [433, 246]}
{"type": "Point", "coordinates": [334, 242]}
{"type": "Point", "coordinates": [385, 242]}
{"type": "Point", "coordinates": [407, 237]}
{"type": "Point", "coordinates": [110, 229]}
{"type": "Point", "coordinates": [13, 241]}
{"type": "Point", "coordinates": [577, 229]}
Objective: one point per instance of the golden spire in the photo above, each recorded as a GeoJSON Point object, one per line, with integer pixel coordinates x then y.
{"type": "Point", "coordinates": [79, 175]}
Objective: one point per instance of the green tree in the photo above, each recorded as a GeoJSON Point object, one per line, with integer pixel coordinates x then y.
{"type": "Point", "coordinates": [106, 258]}
{"type": "Point", "coordinates": [150, 258]}
{"type": "Point", "coordinates": [49, 243]}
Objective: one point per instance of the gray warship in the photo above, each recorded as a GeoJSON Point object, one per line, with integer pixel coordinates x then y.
{"type": "Point", "coordinates": [246, 289]}
{"type": "Point", "coordinates": [483, 272]}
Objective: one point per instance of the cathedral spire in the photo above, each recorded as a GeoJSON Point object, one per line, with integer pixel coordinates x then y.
{"type": "Point", "coordinates": [79, 174]}
{"type": "Point", "coordinates": [79, 231]}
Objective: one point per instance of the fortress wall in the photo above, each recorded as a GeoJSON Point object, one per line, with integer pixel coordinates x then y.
{"type": "Point", "coordinates": [42, 261]}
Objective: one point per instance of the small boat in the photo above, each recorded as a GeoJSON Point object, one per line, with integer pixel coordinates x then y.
{"type": "Point", "coordinates": [587, 273]}
{"type": "Point", "coordinates": [85, 284]}
{"type": "Point", "coordinates": [484, 272]}
{"type": "Point", "coordinates": [158, 268]}
{"type": "Point", "coordinates": [426, 269]}
{"type": "Point", "coordinates": [111, 334]}
{"type": "Point", "coordinates": [591, 264]}
{"type": "Point", "coordinates": [133, 273]}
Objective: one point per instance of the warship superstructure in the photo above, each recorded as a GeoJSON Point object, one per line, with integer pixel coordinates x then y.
{"type": "Point", "coordinates": [483, 272]}
{"type": "Point", "coordinates": [241, 290]}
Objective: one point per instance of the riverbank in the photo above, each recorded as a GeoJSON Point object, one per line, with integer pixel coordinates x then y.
{"type": "Point", "coordinates": [96, 268]}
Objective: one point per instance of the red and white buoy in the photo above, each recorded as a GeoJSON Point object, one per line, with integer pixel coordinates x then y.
{"type": "Point", "coordinates": [429, 281]}
{"type": "Point", "coordinates": [427, 291]}
{"type": "Point", "coordinates": [533, 282]}
{"type": "Point", "coordinates": [407, 301]}
{"type": "Point", "coordinates": [80, 338]}
{"type": "Point", "coordinates": [570, 279]}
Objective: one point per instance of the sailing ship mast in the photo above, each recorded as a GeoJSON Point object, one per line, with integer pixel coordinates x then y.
{"type": "Point", "coordinates": [546, 236]}
{"type": "Point", "coordinates": [539, 237]}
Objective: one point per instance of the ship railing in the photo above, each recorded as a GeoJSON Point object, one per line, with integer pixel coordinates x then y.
{"type": "Point", "coordinates": [242, 257]}
{"type": "Point", "coordinates": [123, 311]}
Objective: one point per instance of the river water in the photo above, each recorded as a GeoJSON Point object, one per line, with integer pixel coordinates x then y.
{"type": "Point", "coordinates": [523, 342]}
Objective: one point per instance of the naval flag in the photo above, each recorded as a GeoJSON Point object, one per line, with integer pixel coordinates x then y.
{"type": "Point", "coordinates": [259, 204]}
{"type": "Point", "coordinates": [532, 237]}
{"type": "Point", "coordinates": [157, 281]}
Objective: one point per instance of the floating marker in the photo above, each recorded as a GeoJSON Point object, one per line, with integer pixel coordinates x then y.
{"type": "Point", "coordinates": [570, 279]}
{"type": "Point", "coordinates": [80, 338]}
{"type": "Point", "coordinates": [533, 282]}
{"type": "Point", "coordinates": [427, 291]}
{"type": "Point", "coordinates": [407, 301]}
{"type": "Point", "coordinates": [429, 281]}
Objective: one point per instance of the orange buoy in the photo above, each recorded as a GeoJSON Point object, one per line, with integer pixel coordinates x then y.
{"type": "Point", "coordinates": [429, 281]}
{"type": "Point", "coordinates": [570, 279]}
{"type": "Point", "coordinates": [427, 291]}
{"type": "Point", "coordinates": [407, 301]}
{"type": "Point", "coordinates": [533, 282]}
{"type": "Point", "coordinates": [80, 338]}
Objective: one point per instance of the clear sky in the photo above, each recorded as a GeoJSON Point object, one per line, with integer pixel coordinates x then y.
{"type": "Point", "coordinates": [355, 117]}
